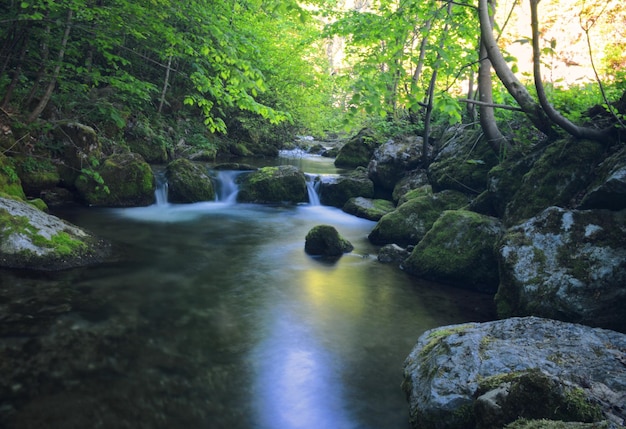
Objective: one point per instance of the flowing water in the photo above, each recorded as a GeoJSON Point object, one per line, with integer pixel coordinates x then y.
{"type": "Point", "coordinates": [216, 318]}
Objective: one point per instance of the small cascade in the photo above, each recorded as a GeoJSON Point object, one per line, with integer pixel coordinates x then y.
{"type": "Point", "coordinates": [313, 187]}
{"type": "Point", "coordinates": [227, 187]}
{"type": "Point", "coordinates": [160, 194]}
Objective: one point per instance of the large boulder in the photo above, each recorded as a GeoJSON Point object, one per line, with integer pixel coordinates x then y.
{"type": "Point", "coordinates": [284, 183]}
{"type": "Point", "coordinates": [485, 375]}
{"type": "Point", "coordinates": [336, 191]}
{"type": "Point", "coordinates": [393, 159]}
{"type": "Point", "coordinates": [122, 180]}
{"type": "Point", "coordinates": [459, 250]}
{"type": "Point", "coordinates": [565, 168]}
{"type": "Point", "coordinates": [357, 151]}
{"type": "Point", "coordinates": [31, 239]}
{"type": "Point", "coordinates": [325, 240]}
{"type": "Point", "coordinates": [568, 265]}
{"type": "Point", "coordinates": [408, 223]}
{"type": "Point", "coordinates": [608, 191]}
{"type": "Point", "coordinates": [368, 208]}
{"type": "Point", "coordinates": [188, 182]}
{"type": "Point", "coordinates": [462, 161]}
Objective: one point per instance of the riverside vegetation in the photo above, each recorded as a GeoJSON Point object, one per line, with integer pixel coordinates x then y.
{"type": "Point", "coordinates": [513, 197]}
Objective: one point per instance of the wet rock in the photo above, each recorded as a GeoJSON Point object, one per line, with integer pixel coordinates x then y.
{"type": "Point", "coordinates": [188, 182]}
{"type": "Point", "coordinates": [325, 240]}
{"type": "Point", "coordinates": [568, 265]}
{"type": "Point", "coordinates": [367, 208]}
{"type": "Point", "coordinates": [392, 253]}
{"type": "Point", "coordinates": [393, 159]}
{"type": "Point", "coordinates": [486, 375]}
{"type": "Point", "coordinates": [32, 239]}
{"type": "Point", "coordinates": [459, 250]}
{"type": "Point", "coordinates": [122, 180]}
{"type": "Point", "coordinates": [411, 221]}
{"type": "Point", "coordinates": [284, 183]}
{"type": "Point", "coordinates": [357, 151]}
{"type": "Point", "coordinates": [336, 191]}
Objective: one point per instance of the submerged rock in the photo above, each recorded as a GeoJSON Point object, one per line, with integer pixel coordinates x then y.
{"type": "Point", "coordinates": [188, 182]}
{"type": "Point", "coordinates": [31, 239]}
{"type": "Point", "coordinates": [485, 375]}
{"type": "Point", "coordinates": [284, 183]}
{"type": "Point", "coordinates": [568, 265]}
{"type": "Point", "coordinates": [392, 253]}
{"type": "Point", "coordinates": [325, 240]}
{"type": "Point", "coordinates": [459, 250]}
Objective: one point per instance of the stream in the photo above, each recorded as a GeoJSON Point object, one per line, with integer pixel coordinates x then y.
{"type": "Point", "coordinates": [217, 318]}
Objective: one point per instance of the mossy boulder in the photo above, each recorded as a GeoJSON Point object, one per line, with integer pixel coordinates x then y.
{"type": "Point", "coordinates": [486, 375]}
{"type": "Point", "coordinates": [10, 183]}
{"type": "Point", "coordinates": [459, 250]}
{"type": "Point", "coordinates": [408, 223]}
{"type": "Point", "coordinates": [81, 149]}
{"type": "Point", "coordinates": [462, 161]}
{"type": "Point", "coordinates": [568, 265]}
{"type": "Point", "coordinates": [325, 240]}
{"type": "Point", "coordinates": [423, 191]}
{"type": "Point", "coordinates": [188, 182]}
{"type": "Point", "coordinates": [564, 170]}
{"type": "Point", "coordinates": [357, 151]}
{"type": "Point", "coordinates": [36, 175]}
{"type": "Point", "coordinates": [608, 190]}
{"type": "Point", "coordinates": [336, 191]}
{"type": "Point", "coordinates": [31, 239]}
{"type": "Point", "coordinates": [412, 180]}
{"type": "Point", "coordinates": [281, 184]}
{"type": "Point", "coordinates": [368, 208]}
{"type": "Point", "coordinates": [393, 159]}
{"type": "Point", "coordinates": [122, 180]}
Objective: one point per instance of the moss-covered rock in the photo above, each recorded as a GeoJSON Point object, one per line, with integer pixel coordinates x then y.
{"type": "Point", "coordinates": [336, 191]}
{"type": "Point", "coordinates": [423, 191]}
{"type": "Point", "coordinates": [568, 265]}
{"type": "Point", "coordinates": [10, 183]}
{"type": "Point", "coordinates": [188, 182]}
{"type": "Point", "coordinates": [459, 250]}
{"type": "Point", "coordinates": [325, 240]}
{"type": "Point", "coordinates": [564, 170]}
{"type": "Point", "coordinates": [31, 239]}
{"type": "Point", "coordinates": [81, 149]}
{"type": "Point", "coordinates": [122, 180]}
{"type": "Point", "coordinates": [36, 175]}
{"type": "Point", "coordinates": [284, 183]}
{"type": "Point", "coordinates": [411, 221]}
{"type": "Point", "coordinates": [412, 180]}
{"type": "Point", "coordinates": [462, 161]}
{"type": "Point", "coordinates": [357, 151]}
{"type": "Point", "coordinates": [608, 190]}
{"type": "Point", "coordinates": [393, 159]}
{"type": "Point", "coordinates": [367, 208]}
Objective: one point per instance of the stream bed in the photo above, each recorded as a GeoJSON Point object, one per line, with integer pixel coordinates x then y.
{"type": "Point", "coordinates": [215, 317]}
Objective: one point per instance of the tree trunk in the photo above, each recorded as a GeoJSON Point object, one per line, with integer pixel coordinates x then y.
{"type": "Point", "coordinates": [532, 109]}
{"type": "Point", "coordinates": [17, 72]}
{"type": "Point", "coordinates": [553, 114]}
{"type": "Point", "coordinates": [55, 74]}
{"type": "Point", "coordinates": [166, 84]}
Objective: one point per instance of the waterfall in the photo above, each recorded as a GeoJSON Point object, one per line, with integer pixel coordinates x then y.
{"type": "Point", "coordinates": [313, 188]}
{"type": "Point", "coordinates": [160, 194]}
{"type": "Point", "coordinates": [227, 187]}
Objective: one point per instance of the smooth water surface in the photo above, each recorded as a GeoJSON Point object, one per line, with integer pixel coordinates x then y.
{"type": "Point", "coordinates": [217, 318]}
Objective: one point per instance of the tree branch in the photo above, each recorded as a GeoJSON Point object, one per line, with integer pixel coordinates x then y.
{"type": "Point", "coordinates": [496, 106]}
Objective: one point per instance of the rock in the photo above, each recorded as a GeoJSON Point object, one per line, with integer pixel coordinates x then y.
{"type": "Point", "coordinates": [529, 368]}
{"type": "Point", "coordinates": [564, 169]}
{"type": "Point", "coordinates": [393, 159]}
{"type": "Point", "coordinates": [10, 183]}
{"type": "Point", "coordinates": [392, 253]}
{"type": "Point", "coordinates": [459, 250]}
{"type": "Point", "coordinates": [31, 239]}
{"type": "Point", "coordinates": [412, 180]}
{"type": "Point", "coordinates": [123, 180]}
{"type": "Point", "coordinates": [568, 265]}
{"type": "Point", "coordinates": [336, 191]}
{"type": "Point", "coordinates": [368, 208]}
{"type": "Point", "coordinates": [462, 161]}
{"type": "Point", "coordinates": [80, 147]}
{"type": "Point", "coordinates": [36, 175]}
{"type": "Point", "coordinates": [423, 191]}
{"type": "Point", "coordinates": [408, 223]}
{"type": "Point", "coordinates": [357, 151]}
{"type": "Point", "coordinates": [188, 182]}
{"type": "Point", "coordinates": [324, 240]}
{"type": "Point", "coordinates": [284, 183]}
{"type": "Point", "coordinates": [608, 191]}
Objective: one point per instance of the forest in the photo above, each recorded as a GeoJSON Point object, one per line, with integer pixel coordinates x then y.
{"type": "Point", "coordinates": [267, 70]}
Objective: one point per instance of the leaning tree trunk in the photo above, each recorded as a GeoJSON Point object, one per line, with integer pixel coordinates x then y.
{"type": "Point", "coordinates": [531, 108]}
{"type": "Point", "coordinates": [53, 80]}
{"type": "Point", "coordinates": [554, 115]}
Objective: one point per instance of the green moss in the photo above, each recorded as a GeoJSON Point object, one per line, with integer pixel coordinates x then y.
{"type": "Point", "coordinates": [555, 424]}
{"type": "Point", "coordinates": [62, 243]}
{"type": "Point", "coordinates": [40, 204]}
{"type": "Point", "coordinates": [435, 337]}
